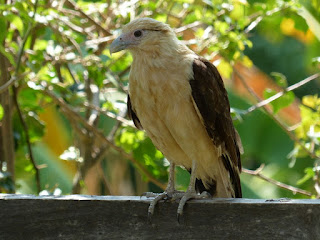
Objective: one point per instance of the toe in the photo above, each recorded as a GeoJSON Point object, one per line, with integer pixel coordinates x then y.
{"type": "Point", "coordinates": [154, 203]}
{"type": "Point", "coordinates": [205, 194]}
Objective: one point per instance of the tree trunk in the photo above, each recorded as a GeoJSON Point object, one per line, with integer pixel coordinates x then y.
{"type": "Point", "coordinates": [6, 128]}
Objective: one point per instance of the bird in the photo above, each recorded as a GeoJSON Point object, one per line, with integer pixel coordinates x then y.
{"type": "Point", "coordinates": [178, 98]}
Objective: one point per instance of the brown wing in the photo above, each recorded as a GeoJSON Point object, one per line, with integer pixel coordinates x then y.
{"type": "Point", "coordinates": [211, 99]}
{"type": "Point", "coordinates": [132, 115]}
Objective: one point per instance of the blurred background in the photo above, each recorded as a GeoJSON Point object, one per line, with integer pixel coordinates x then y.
{"type": "Point", "coordinates": [64, 126]}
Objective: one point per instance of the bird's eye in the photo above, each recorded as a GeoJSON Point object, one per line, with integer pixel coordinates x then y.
{"type": "Point", "coordinates": [137, 33]}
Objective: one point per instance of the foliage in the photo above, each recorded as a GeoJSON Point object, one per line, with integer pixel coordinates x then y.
{"type": "Point", "coordinates": [67, 86]}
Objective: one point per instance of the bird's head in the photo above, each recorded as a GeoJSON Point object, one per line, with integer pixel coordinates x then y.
{"type": "Point", "coordinates": [143, 34]}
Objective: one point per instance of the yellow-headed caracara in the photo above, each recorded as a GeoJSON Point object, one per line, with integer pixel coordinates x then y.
{"type": "Point", "coordinates": [179, 99]}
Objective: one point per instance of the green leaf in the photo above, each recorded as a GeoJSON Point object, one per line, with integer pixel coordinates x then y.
{"type": "Point", "coordinates": [1, 112]}
{"type": "Point", "coordinates": [221, 27]}
{"type": "Point", "coordinates": [309, 173]}
{"type": "Point", "coordinates": [300, 23]}
{"type": "Point", "coordinates": [17, 22]}
{"type": "Point", "coordinates": [279, 103]}
{"type": "Point", "coordinates": [7, 55]}
{"type": "Point", "coordinates": [40, 44]}
{"type": "Point", "coordinates": [312, 22]}
{"type": "Point", "coordinates": [28, 98]}
{"type": "Point", "coordinates": [130, 139]}
{"type": "Point", "coordinates": [36, 127]}
{"type": "Point", "coordinates": [3, 27]}
{"type": "Point", "coordinates": [315, 60]}
{"type": "Point", "coordinates": [280, 79]}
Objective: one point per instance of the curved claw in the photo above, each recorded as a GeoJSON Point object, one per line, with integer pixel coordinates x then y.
{"type": "Point", "coordinates": [149, 217]}
{"type": "Point", "coordinates": [187, 196]}
{"type": "Point", "coordinates": [182, 202]}
{"type": "Point", "coordinates": [205, 194]}
{"type": "Point", "coordinates": [154, 203]}
{"type": "Point", "coordinates": [179, 218]}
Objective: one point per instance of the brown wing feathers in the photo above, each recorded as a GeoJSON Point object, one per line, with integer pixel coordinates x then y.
{"type": "Point", "coordinates": [132, 115]}
{"type": "Point", "coordinates": [212, 101]}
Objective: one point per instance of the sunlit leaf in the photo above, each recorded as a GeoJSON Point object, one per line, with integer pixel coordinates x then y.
{"type": "Point", "coordinates": [316, 60]}
{"type": "Point", "coordinates": [7, 55]}
{"type": "Point", "coordinates": [40, 44]}
{"type": "Point", "coordinates": [311, 101]}
{"type": "Point", "coordinates": [280, 79]}
{"type": "Point", "coordinates": [309, 174]}
{"type": "Point", "coordinates": [225, 69]}
{"type": "Point", "coordinates": [313, 23]}
{"type": "Point", "coordinates": [17, 22]}
{"type": "Point", "coordinates": [3, 27]}
{"type": "Point", "coordinates": [35, 126]}
{"type": "Point", "coordinates": [1, 112]}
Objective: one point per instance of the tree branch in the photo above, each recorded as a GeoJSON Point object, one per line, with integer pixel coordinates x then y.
{"type": "Point", "coordinates": [109, 114]}
{"type": "Point", "coordinates": [280, 94]}
{"type": "Point", "coordinates": [15, 99]}
{"type": "Point", "coordinates": [257, 173]}
{"type": "Point", "coordinates": [12, 80]}
{"type": "Point", "coordinates": [98, 26]}
{"type": "Point", "coordinates": [26, 131]}
{"type": "Point", "coordinates": [275, 118]}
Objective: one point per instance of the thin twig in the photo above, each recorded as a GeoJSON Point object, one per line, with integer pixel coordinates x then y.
{"type": "Point", "coordinates": [15, 99]}
{"type": "Point", "coordinates": [109, 114]}
{"type": "Point", "coordinates": [259, 18]}
{"type": "Point", "coordinates": [75, 81]}
{"type": "Point", "coordinates": [103, 152]}
{"type": "Point", "coordinates": [26, 131]}
{"type": "Point", "coordinates": [104, 179]}
{"type": "Point", "coordinates": [75, 7]}
{"type": "Point", "coordinates": [12, 80]}
{"type": "Point", "coordinates": [276, 119]}
{"type": "Point", "coordinates": [258, 174]}
{"type": "Point", "coordinates": [280, 94]}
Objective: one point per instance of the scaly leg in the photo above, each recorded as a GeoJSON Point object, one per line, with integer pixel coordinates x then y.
{"type": "Point", "coordinates": [169, 193]}
{"type": "Point", "coordinates": [191, 191]}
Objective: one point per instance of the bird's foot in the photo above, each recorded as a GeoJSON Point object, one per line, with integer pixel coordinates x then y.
{"type": "Point", "coordinates": [187, 196]}
{"type": "Point", "coordinates": [167, 195]}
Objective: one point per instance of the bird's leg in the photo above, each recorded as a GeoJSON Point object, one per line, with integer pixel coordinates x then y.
{"type": "Point", "coordinates": [191, 191]}
{"type": "Point", "coordinates": [170, 187]}
{"type": "Point", "coordinates": [167, 194]}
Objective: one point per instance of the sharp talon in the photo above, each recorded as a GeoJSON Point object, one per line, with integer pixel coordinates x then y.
{"type": "Point", "coordinates": [150, 217]}
{"type": "Point", "coordinates": [180, 218]}
{"type": "Point", "coordinates": [205, 194]}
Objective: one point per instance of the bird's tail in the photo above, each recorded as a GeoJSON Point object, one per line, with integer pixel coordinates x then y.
{"type": "Point", "coordinates": [232, 179]}
{"type": "Point", "coordinates": [212, 188]}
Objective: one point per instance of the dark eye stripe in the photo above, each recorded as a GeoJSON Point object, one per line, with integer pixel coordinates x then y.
{"type": "Point", "coordinates": [152, 30]}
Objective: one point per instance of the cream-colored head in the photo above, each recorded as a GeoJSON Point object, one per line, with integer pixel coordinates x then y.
{"type": "Point", "coordinates": [144, 35]}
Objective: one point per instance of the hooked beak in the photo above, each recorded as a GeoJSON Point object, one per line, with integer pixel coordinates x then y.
{"type": "Point", "coordinates": [118, 44]}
